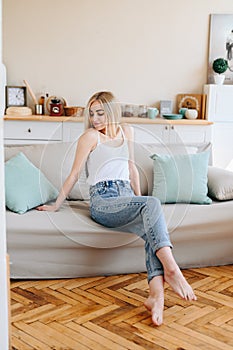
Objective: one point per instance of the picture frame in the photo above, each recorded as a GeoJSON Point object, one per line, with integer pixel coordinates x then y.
{"type": "Point", "coordinates": [221, 45]}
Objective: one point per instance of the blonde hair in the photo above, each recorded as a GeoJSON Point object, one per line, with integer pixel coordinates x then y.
{"type": "Point", "coordinates": [112, 110]}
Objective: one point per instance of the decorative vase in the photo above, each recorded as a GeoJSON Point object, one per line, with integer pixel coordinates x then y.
{"type": "Point", "coordinates": [219, 79]}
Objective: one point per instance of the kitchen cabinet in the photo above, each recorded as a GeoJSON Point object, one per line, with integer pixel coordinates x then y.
{"type": "Point", "coordinates": [219, 109]}
{"type": "Point", "coordinates": [169, 133]}
{"type": "Point", "coordinates": [160, 131]}
{"type": "Point", "coordinates": [51, 129]}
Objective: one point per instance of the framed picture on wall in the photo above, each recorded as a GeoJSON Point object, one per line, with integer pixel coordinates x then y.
{"type": "Point", "coordinates": [221, 44]}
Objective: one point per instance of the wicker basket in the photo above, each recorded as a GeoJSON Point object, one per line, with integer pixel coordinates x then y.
{"type": "Point", "coordinates": [74, 111]}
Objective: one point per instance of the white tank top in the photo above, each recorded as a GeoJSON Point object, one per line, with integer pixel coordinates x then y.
{"type": "Point", "coordinates": [106, 162]}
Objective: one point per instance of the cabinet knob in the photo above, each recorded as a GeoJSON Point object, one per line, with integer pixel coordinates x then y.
{"type": "Point", "coordinates": [29, 130]}
{"type": "Point", "coordinates": [166, 127]}
{"type": "Point", "coordinates": [172, 127]}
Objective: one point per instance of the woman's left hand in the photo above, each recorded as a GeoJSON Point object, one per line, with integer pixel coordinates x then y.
{"type": "Point", "coordinates": [47, 208]}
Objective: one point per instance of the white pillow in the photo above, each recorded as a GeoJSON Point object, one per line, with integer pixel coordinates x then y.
{"type": "Point", "coordinates": [220, 183]}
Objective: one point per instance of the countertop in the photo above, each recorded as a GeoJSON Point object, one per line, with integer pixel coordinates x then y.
{"type": "Point", "coordinates": [130, 120]}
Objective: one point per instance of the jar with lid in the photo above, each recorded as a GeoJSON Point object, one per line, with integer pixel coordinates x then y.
{"type": "Point", "coordinates": [56, 107]}
{"type": "Point", "coordinates": [142, 111]}
{"type": "Point", "coordinates": [128, 111]}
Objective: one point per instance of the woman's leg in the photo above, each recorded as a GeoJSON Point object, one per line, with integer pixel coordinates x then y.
{"type": "Point", "coordinates": [173, 276]}
{"type": "Point", "coordinates": [141, 215]}
{"type": "Point", "coordinates": [155, 301]}
{"type": "Point", "coordinates": [144, 217]}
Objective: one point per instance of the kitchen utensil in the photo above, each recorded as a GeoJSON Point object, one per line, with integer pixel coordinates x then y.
{"type": "Point", "coordinates": [31, 92]}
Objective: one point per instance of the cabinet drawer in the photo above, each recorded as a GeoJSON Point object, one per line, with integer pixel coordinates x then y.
{"type": "Point", "coordinates": [32, 130]}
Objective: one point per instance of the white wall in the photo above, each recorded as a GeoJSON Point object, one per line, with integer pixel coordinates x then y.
{"type": "Point", "coordinates": [142, 50]}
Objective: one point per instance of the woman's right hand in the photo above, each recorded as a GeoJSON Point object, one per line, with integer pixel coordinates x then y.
{"type": "Point", "coordinates": [47, 208]}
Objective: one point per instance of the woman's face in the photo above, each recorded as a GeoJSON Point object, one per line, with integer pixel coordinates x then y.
{"type": "Point", "coordinates": [97, 116]}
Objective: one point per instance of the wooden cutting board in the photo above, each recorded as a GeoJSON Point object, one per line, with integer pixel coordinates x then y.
{"type": "Point", "coordinates": [192, 101]}
{"type": "Point", "coordinates": [19, 111]}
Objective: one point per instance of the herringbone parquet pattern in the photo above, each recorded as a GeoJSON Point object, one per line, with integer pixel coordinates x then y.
{"type": "Point", "coordinates": [107, 313]}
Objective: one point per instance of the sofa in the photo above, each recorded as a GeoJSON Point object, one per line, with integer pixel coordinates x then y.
{"type": "Point", "coordinates": [69, 244]}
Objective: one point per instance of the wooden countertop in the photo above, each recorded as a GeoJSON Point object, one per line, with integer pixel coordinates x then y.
{"type": "Point", "coordinates": [131, 120]}
{"type": "Point", "coordinates": [44, 118]}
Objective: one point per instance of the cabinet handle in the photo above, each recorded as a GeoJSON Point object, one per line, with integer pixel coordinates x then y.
{"type": "Point", "coordinates": [29, 130]}
{"type": "Point", "coordinates": [166, 127]}
{"type": "Point", "coordinates": [172, 127]}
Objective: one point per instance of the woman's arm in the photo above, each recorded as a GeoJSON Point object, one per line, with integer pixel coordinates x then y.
{"type": "Point", "coordinates": [133, 171]}
{"type": "Point", "coordinates": [86, 143]}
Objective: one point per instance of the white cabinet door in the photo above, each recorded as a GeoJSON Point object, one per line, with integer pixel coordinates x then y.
{"type": "Point", "coordinates": [22, 132]}
{"type": "Point", "coordinates": [151, 133]}
{"type": "Point", "coordinates": [72, 131]}
{"type": "Point", "coordinates": [192, 134]}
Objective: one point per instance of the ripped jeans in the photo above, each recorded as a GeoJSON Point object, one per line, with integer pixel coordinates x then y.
{"type": "Point", "coordinates": [114, 205]}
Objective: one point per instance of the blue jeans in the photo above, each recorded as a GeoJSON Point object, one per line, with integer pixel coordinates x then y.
{"type": "Point", "coordinates": [113, 204]}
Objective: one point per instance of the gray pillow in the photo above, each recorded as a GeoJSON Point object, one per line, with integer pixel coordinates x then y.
{"type": "Point", "coordinates": [220, 183]}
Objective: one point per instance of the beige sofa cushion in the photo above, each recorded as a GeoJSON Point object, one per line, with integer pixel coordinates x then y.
{"type": "Point", "coordinates": [67, 243]}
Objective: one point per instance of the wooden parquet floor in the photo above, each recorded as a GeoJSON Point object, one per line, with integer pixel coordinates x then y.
{"type": "Point", "coordinates": [102, 313]}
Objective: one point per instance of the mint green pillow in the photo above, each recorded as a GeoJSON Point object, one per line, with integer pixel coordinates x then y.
{"type": "Point", "coordinates": [181, 178]}
{"type": "Point", "coordinates": [25, 185]}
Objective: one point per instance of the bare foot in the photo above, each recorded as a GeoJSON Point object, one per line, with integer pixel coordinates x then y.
{"type": "Point", "coordinates": [155, 305]}
{"type": "Point", "coordinates": [178, 283]}
{"type": "Point", "coordinates": [173, 275]}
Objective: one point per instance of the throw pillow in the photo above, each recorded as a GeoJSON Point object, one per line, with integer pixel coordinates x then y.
{"type": "Point", "coordinates": [25, 185]}
{"type": "Point", "coordinates": [144, 163]}
{"type": "Point", "coordinates": [220, 183]}
{"type": "Point", "coordinates": [181, 178]}
{"type": "Point", "coordinates": [55, 160]}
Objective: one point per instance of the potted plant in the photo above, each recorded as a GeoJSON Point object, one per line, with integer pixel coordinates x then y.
{"type": "Point", "coordinates": [220, 65]}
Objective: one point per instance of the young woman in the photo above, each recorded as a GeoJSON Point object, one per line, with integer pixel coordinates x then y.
{"type": "Point", "coordinates": [115, 199]}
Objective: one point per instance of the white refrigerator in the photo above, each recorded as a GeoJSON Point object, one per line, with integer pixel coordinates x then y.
{"type": "Point", "coordinates": [219, 109]}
